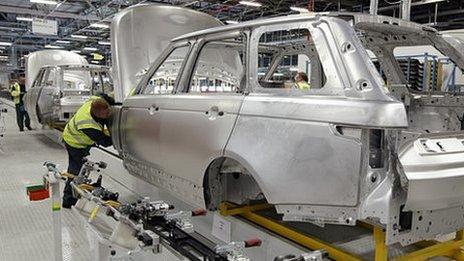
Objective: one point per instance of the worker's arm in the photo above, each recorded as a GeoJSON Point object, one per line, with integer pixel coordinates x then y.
{"type": "Point", "coordinates": [98, 136]}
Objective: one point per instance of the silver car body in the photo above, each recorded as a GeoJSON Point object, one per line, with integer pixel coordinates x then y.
{"type": "Point", "coordinates": [140, 33]}
{"type": "Point", "coordinates": [36, 60]}
{"type": "Point", "coordinates": [58, 91]}
{"type": "Point", "coordinates": [345, 152]}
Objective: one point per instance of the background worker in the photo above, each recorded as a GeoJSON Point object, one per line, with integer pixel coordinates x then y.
{"type": "Point", "coordinates": [85, 129]}
{"type": "Point", "coordinates": [301, 81]}
{"type": "Point", "coordinates": [17, 91]}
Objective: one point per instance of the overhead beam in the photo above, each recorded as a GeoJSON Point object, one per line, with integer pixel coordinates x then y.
{"type": "Point", "coordinates": [31, 12]}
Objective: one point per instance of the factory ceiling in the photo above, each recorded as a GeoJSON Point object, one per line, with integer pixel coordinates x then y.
{"type": "Point", "coordinates": [85, 23]}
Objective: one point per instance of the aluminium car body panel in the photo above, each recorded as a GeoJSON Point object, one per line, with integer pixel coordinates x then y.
{"type": "Point", "coordinates": [434, 177]}
{"type": "Point", "coordinates": [60, 90]}
{"type": "Point", "coordinates": [309, 153]}
{"type": "Point", "coordinates": [36, 60]}
{"type": "Point", "coordinates": [434, 167]}
{"type": "Point", "coordinates": [34, 63]}
{"type": "Point", "coordinates": [140, 33]}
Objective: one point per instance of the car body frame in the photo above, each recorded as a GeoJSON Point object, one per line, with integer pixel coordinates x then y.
{"type": "Point", "coordinates": [341, 152]}
{"type": "Point", "coordinates": [58, 91]}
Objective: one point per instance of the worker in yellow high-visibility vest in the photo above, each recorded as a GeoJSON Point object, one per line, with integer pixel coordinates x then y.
{"type": "Point", "coordinates": [85, 129]}
{"type": "Point", "coordinates": [17, 91]}
{"type": "Point", "coordinates": [301, 81]}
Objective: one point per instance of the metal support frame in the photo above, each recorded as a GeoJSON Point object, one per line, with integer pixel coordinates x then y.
{"type": "Point", "coordinates": [374, 7]}
{"type": "Point", "coordinates": [428, 249]}
{"type": "Point", "coordinates": [406, 10]}
{"type": "Point", "coordinates": [52, 177]}
{"type": "Point", "coordinates": [424, 73]}
{"type": "Point", "coordinates": [227, 209]}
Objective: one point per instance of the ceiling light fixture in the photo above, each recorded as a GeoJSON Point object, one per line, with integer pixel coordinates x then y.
{"type": "Point", "coordinates": [299, 9]}
{"type": "Point", "coordinates": [90, 49]}
{"type": "Point", "coordinates": [63, 42]}
{"type": "Point", "coordinates": [231, 22]}
{"type": "Point", "coordinates": [45, 2]}
{"type": "Point", "coordinates": [76, 51]}
{"type": "Point", "coordinates": [100, 25]}
{"type": "Point", "coordinates": [6, 43]}
{"type": "Point", "coordinates": [52, 46]}
{"type": "Point", "coordinates": [250, 3]}
{"type": "Point", "coordinates": [79, 36]}
{"type": "Point", "coordinates": [104, 43]}
{"type": "Point", "coordinates": [423, 2]}
{"type": "Point", "coordinates": [25, 19]}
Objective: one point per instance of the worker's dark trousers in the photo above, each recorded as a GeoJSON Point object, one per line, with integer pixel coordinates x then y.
{"type": "Point", "coordinates": [75, 162]}
{"type": "Point", "coordinates": [22, 117]}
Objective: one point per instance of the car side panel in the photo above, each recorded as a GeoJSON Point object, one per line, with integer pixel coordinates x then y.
{"type": "Point", "coordinates": [297, 161]}
{"type": "Point", "coordinates": [194, 131]}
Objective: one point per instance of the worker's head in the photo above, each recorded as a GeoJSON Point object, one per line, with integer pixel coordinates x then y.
{"type": "Point", "coordinates": [301, 77]}
{"type": "Point", "coordinates": [22, 80]}
{"type": "Point", "coordinates": [100, 109]}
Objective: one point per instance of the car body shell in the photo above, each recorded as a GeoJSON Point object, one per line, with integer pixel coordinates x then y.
{"type": "Point", "coordinates": [58, 91]}
{"type": "Point", "coordinates": [310, 153]}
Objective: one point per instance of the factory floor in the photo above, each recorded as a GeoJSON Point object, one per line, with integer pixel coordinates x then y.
{"type": "Point", "coordinates": [25, 226]}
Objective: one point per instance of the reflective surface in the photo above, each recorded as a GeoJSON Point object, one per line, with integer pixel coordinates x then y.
{"type": "Point", "coordinates": [341, 151]}
{"type": "Point", "coordinates": [36, 60]}
{"type": "Point", "coordinates": [140, 33]}
{"type": "Point", "coordinates": [59, 91]}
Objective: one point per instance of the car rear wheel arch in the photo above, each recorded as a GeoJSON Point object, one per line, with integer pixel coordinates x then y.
{"type": "Point", "coordinates": [224, 173]}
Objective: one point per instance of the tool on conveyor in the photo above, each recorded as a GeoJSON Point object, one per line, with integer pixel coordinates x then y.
{"type": "Point", "coordinates": [146, 225]}
{"type": "Point", "coordinates": [177, 231]}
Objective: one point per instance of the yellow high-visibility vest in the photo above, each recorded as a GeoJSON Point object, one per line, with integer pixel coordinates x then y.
{"type": "Point", "coordinates": [15, 91]}
{"type": "Point", "coordinates": [303, 85]}
{"type": "Point", "coordinates": [73, 134]}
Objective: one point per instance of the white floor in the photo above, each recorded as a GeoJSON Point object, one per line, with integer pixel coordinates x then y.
{"type": "Point", "coordinates": [25, 227]}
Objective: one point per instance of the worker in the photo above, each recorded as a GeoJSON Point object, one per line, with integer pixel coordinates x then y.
{"type": "Point", "coordinates": [17, 91]}
{"type": "Point", "coordinates": [85, 129]}
{"type": "Point", "coordinates": [301, 81]}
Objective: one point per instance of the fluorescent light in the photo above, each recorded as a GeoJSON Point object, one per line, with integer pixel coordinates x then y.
{"type": "Point", "coordinates": [93, 61]}
{"type": "Point", "coordinates": [6, 43]}
{"type": "Point", "coordinates": [250, 3]}
{"type": "Point", "coordinates": [52, 46]}
{"type": "Point", "coordinates": [76, 51]}
{"type": "Point", "coordinates": [423, 2]}
{"type": "Point", "coordinates": [100, 25]}
{"type": "Point", "coordinates": [231, 22]}
{"type": "Point", "coordinates": [90, 49]}
{"type": "Point", "coordinates": [46, 2]}
{"type": "Point", "coordinates": [63, 42]}
{"type": "Point", "coordinates": [104, 43]}
{"type": "Point", "coordinates": [299, 9]}
{"type": "Point", "coordinates": [79, 36]}
{"type": "Point", "coordinates": [21, 18]}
